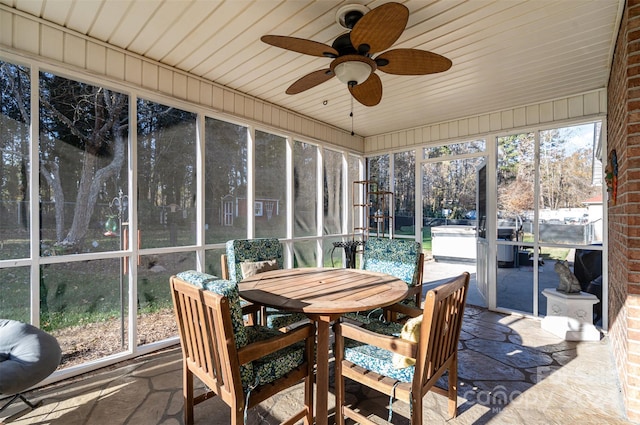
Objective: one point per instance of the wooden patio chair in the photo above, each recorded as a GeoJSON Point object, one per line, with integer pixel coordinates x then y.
{"type": "Point", "coordinates": [244, 258]}
{"type": "Point", "coordinates": [377, 359]}
{"type": "Point", "coordinates": [399, 258]}
{"type": "Point", "coordinates": [243, 365]}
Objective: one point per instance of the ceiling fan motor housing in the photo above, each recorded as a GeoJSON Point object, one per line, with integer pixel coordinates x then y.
{"type": "Point", "coordinates": [349, 14]}
{"type": "Point", "coordinates": [351, 18]}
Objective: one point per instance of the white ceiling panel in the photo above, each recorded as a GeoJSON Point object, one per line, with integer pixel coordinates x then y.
{"type": "Point", "coordinates": [505, 53]}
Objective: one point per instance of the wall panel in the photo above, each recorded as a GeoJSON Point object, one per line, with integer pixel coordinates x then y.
{"type": "Point", "coordinates": [97, 58]}
{"type": "Point", "coordinates": [115, 64]}
{"type": "Point", "coordinates": [150, 76]}
{"type": "Point", "coordinates": [588, 105]}
{"type": "Point", "coordinates": [6, 28]}
{"type": "Point", "coordinates": [52, 44]}
{"type": "Point", "coordinates": [133, 70]}
{"type": "Point", "coordinates": [75, 50]}
{"type": "Point", "coordinates": [26, 35]}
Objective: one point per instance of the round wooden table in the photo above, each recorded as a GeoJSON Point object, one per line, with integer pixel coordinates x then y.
{"type": "Point", "coordinates": [323, 294]}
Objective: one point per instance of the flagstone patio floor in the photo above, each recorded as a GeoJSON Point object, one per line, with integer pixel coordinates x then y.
{"type": "Point", "coordinates": [510, 371]}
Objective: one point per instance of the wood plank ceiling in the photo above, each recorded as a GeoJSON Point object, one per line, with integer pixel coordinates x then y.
{"type": "Point", "coordinates": [505, 53]}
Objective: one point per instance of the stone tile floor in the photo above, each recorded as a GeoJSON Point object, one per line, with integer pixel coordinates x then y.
{"type": "Point", "coordinates": [510, 370]}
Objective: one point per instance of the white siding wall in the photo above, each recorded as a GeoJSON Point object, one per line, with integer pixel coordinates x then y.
{"type": "Point", "coordinates": [582, 106]}
{"type": "Point", "coordinates": [24, 35]}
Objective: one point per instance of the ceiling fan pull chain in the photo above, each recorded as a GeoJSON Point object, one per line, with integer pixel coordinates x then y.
{"type": "Point", "coordinates": [351, 115]}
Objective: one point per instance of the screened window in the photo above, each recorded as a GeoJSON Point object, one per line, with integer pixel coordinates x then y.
{"type": "Point", "coordinates": [15, 121]}
{"type": "Point", "coordinates": [305, 172]}
{"type": "Point", "coordinates": [454, 149]}
{"type": "Point", "coordinates": [225, 181]}
{"type": "Point", "coordinates": [332, 192]}
{"type": "Point", "coordinates": [166, 175]}
{"type": "Point", "coordinates": [270, 185]}
{"type": "Point", "coordinates": [404, 164]}
{"type": "Point", "coordinates": [83, 165]}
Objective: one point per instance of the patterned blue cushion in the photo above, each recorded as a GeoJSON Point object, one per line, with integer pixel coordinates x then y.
{"type": "Point", "coordinates": [261, 249]}
{"type": "Point", "coordinates": [266, 369]}
{"type": "Point", "coordinates": [377, 360]}
{"type": "Point", "coordinates": [196, 278]}
{"type": "Point", "coordinates": [241, 250]}
{"type": "Point", "coordinates": [225, 288]}
{"type": "Point", "coordinates": [366, 316]}
{"type": "Point", "coordinates": [384, 328]}
{"type": "Point", "coordinates": [230, 290]}
{"type": "Point", "coordinates": [397, 257]}
{"type": "Point", "coordinates": [275, 365]}
{"type": "Point", "coordinates": [277, 319]}
{"type": "Point", "coordinates": [374, 358]}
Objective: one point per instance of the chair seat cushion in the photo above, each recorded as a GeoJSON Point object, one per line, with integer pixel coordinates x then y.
{"type": "Point", "coordinates": [366, 316]}
{"type": "Point", "coordinates": [27, 356]}
{"type": "Point", "coordinates": [376, 360]}
{"type": "Point", "coordinates": [384, 328]}
{"type": "Point", "coordinates": [197, 278]}
{"type": "Point", "coordinates": [275, 365]}
{"type": "Point", "coordinates": [277, 319]}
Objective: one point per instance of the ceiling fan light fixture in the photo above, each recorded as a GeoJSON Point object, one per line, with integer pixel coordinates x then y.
{"type": "Point", "coordinates": [349, 72]}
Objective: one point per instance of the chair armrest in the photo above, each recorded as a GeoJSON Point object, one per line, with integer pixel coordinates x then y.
{"type": "Point", "coordinates": [260, 349]}
{"type": "Point", "coordinates": [390, 343]}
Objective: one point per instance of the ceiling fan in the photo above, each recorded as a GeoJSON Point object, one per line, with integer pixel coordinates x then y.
{"type": "Point", "coordinates": [353, 63]}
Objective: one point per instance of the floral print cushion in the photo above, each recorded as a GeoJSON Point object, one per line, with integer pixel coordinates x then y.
{"type": "Point", "coordinates": [257, 250]}
{"type": "Point", "coordinates": [277, 319]}
{"type": "Point", "coordinates": [275, 365]}
{"type": "Point", "coordinates": [366, 316]}
{"type": "Point", "coordinates": [225, 288]}
{"type": "Point", "coordinates": [376, 360]}
{"type": "Point", "coordinates": [396, 257]}
{"type": "Point", "coordinates": [196, 278]}
{"type": "Point", "coordinates": [252, 250]}
{"type": "Point", "coordinates": [228, 289]}
{"type": "Point", "coordinates": [384, 328]}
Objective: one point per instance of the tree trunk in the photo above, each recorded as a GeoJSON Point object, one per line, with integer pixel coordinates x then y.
{"type": "Point", "coordinates": [52, 176]}
{"type": "Point", "coordinates": [91, 182]}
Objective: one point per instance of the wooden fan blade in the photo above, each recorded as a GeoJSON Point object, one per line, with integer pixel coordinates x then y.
{"type": "Point", "coordinates": [380, 28]}
{"type": "Point", "coordinates": [412, 62]}
{"type": "Point", "coordinates": [300, 45]}
{"type": "Point", "coordinates": [368, 93]}
{"type": "Point", "coordinates": [309, 81]}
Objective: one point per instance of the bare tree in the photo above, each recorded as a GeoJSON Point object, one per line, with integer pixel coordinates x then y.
{"type": "Point", "coordinates": [93, 120]}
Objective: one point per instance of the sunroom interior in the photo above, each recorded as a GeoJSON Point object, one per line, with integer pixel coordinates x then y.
{"type": "Point", "coordinates": [139, 137]}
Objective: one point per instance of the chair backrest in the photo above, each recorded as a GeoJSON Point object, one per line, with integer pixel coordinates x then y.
{"type": "Point", "coordinates": [211, 330]}
{"type": "Point", "coordinates": [440, 329]}
{"type": "Point", "coordinates": [397, 257]}
{"type": "Point", "coordinates": [239, 251]}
